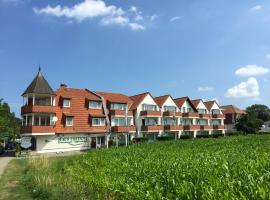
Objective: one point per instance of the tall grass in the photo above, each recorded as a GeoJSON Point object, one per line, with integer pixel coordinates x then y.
{"type": "Point", "coordinates": [224, 168]}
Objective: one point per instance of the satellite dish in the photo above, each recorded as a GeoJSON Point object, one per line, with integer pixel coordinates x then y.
{"type": "Point", "coordinates": [54, 119]}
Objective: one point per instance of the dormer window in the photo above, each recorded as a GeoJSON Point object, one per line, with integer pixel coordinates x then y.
{"type": "Point", "coordinates": [118, 106]}
{"type": "Point", "coordinates": [95, 104]}
{"type": "Point", "coordinates": [69, 120]}
{"type": "Point", "coordinates": [66, 103]}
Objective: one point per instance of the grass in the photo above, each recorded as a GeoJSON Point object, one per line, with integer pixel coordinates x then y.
{"type": "Point", "coordinates": [224, 168]}
{"type": "Point", "coordinates": [11, 186]}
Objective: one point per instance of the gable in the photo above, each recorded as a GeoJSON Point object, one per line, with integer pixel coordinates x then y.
{"type": "Point", "coordinates": [201, 105]}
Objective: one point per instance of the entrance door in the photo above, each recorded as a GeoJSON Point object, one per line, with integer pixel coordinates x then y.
{"type": "Point", "coordinates": [101, 141]}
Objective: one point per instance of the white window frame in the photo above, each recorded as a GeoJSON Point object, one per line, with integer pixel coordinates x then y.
{"type": "Point", "coordinates": [67, 124]}
{"type": "Point", "coordinates": [98, 102]}
{"type": "Point", "coordinates": [64, 105]}
{"type": "Point", "coordinates": [99, 119]}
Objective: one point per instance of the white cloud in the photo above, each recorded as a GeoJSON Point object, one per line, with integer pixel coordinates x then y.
{"type": "Point", "coordinates": [267, 56]}
{"type": "Point", "coordinates": [135, 26]}
{"type": "Point", "coordinates": [252, 70]}
{"type": "Point", "coordinates": [138, 15]}
{"type": "Point", "coordinates": [205, 89]}
{"type": "Point", "coordinates": [176, 18]}
{"type": "Point", "coordinates": [153, 17]}
{"type": "Point", "coordinates": [256, 8]}
{"type": "Point", "coordinates": [248, 89]}
{"type": "Point", "coordinates": [89, 9]}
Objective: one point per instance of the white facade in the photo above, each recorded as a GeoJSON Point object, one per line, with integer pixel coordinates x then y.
{"type": "Point", "coordinates": [148, 100]}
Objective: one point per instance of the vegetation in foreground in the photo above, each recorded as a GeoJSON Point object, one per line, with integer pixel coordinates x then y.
{"type": "Point", "coordinates": [224, 168]}
{"type": "Point", "coordinates": [11, 186]}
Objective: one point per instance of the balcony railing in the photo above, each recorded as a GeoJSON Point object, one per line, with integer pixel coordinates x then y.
{"type": "Point", "coordinates": [150, 113]}
{"type": "Point", "coordinates": [120, 113]}
{"type": "Point", "coordinates": [218, 116]}
{"type": "Point", "coordinates": [172, 128]}
{"type": "Point", "coordinates": [37, 109]}
{"type": "Point", "coordinates": [218, 127]}
{"type": "Point", "coordinates": [204, 115]}
{"type": "Point", "coordinates": [197, 127]}
{"type": "Point", "coordinates": [152, 128]}
{"type": "Point", "coordinates": [171, 114]}
{"type": "Point", "coordinates": [190, 114]}
{"type": "Point", "coordinates": [37, 129]}
{"type": "Point", "coordinates": [123, 129]}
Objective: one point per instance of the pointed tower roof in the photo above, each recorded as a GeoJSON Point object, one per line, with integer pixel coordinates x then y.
{"type": "Point", "coordinates": [39, 86]}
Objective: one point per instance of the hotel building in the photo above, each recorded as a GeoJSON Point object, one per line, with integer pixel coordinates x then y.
{"type": "Point", "coordinates": [70, 119]}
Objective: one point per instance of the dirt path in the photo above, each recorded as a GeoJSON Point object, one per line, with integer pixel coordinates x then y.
{"type": "Point", "coordinates": [4, 160]}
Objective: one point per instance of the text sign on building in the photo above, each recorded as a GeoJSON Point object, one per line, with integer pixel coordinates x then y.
{"type": "Point", "coordinates": [26, 142]}
{"type": "Point", "coordinates": [72, 140]}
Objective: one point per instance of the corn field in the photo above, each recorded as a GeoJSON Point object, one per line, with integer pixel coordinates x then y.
{"type": "Point", "coordinates": [223, 168]}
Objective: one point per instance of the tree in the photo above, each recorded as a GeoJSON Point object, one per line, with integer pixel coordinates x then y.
{"type": "Point", "coordinates": [249, 123]}
{"type": "Point", "coordinates": [9, 123]}
{"type": "Point", "coordinates": [262, 111]}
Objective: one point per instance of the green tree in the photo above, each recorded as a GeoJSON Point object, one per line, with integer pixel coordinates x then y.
{"type": "Point", "coordinates": [9, 123]}
{"type": "Point", "coordinates": [262, 111]}
{"type": "Point", "coordinates": [249, 123]}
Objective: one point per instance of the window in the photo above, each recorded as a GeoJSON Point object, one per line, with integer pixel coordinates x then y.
{"type": "Point", "coordinates": [95, 104]}
{"type": "Point", "coordinates": [121, 121]}
{"type": "Point", "coordinates": [149, 107]}
{"type": "Point", "coordinates": [215, 111]}
{"type": "Point", "coordinates": [202, 111]}
{"type": "Point", "coordinates": [216, 122]}
{"type": "Point", "coordinates": [151, 121]}
{"type": "Point", "coordinates": [170, 108]}
{"type": "Point", "coordinates": [184, 110]}
{"type": "Point", "coordinates": [189, 110]}
{"type": "Point", "coordinates": [118, 106]}
{"type": "Point", "coordinates": [66, 103]}
{"type": "Point", "coordinates": [98, 121]}
{"type": "Point", "coordinates": [202, 122]}
{"type": "Point", "coordinates": [69, 121]}
{"type": "Point", "coordinates": [170, 121]}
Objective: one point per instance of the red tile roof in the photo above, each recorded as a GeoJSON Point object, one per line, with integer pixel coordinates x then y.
{"type": "Point", "coordinates": [79, 109]}
{"type": "Point", "coordinates": [161, 99]}
{"type": "Point", "coordinates": [209, 104]}
{"type": "Point", "coordinates": [180, 101]}
{"type": "Point", "coordinates": [137, 99]}
{"type": "Point", "coordinates": [115, 97]}
{"type": "Point", "coordinates": [232, 109]}
{"type": "Point", "coordinates": [195, 102]}
{"type": "Point", "coordinates": [65, 92]}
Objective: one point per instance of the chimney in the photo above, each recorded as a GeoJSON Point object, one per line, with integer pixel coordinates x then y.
{"type": "Point", "coordinates": [62, 85]}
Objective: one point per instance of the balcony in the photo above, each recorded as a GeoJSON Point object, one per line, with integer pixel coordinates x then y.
{"type": "Point", "coordinates": [190, 127]}
{"type": "Point", "coordinates": [204, 127]}
{"type": "Point", "coordinates": [37, 129]}
{"type": "Point", "coordinates": [123, 129]}
{"type": "Point", "coordinates": [152, 128]}
{"type": "Point", "coordinates": [172, 128]}
{"type": "Point", "coordinates": [171, 114]}
{"type": "Point", "coordinates": [120, 113]}
{"type": "Point", "coordinates": [218, 116]}
{"type": "Point", "coordinates": [37, 109]}
{"type": "Point", "coordinates": [150, 113]}
{"type": "Point", "coordinates": [204, 115]}
{"type": "Point", "coordinates": [190, 114]}
{"type": "Point", "coordinates": [218, 127]}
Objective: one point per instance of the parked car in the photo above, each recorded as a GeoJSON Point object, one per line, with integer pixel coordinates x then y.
{"type": "Point", "coordinates": [9, 146]}
{"type": "Point", "coordinates": [2, 149]}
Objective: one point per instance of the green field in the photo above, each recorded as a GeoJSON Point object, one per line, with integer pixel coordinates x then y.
{"type": "Point", "coordinates": [223, 168]}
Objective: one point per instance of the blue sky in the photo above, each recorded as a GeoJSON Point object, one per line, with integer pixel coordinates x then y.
{"type": "Point", "coordinates": [212, 49]}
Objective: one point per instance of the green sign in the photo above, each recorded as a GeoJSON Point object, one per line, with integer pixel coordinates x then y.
{"type": "Point", "coordinates": [76, 140]}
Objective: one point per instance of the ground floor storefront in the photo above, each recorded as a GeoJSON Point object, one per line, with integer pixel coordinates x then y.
{"type": "Point", "coordinates": [75, 142]}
